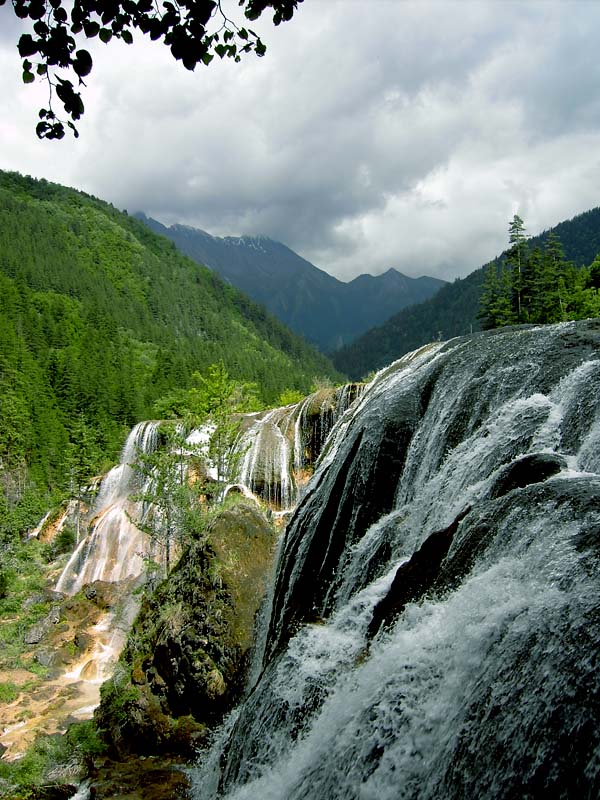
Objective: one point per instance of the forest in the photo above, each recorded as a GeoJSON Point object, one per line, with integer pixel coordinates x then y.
{"type": "Point", "coordinates": [100, 321]}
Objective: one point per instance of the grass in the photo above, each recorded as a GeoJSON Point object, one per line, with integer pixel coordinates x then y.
{"type": "Point", "coordinates": [9, 691]}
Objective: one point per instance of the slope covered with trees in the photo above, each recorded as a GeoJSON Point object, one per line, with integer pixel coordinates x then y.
{"type": "Point", "coordinates": [454, 310]}
{"type": "Point", "coordinates": [99, 319]}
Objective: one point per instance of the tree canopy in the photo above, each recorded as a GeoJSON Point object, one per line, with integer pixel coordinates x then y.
{"type": "Point", "coordinates": [194, 30]}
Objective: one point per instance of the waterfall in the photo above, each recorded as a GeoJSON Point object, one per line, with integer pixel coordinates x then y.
{"type": "Point", "coordinates": [112, 549]}
{"type": "Point", "coordinates": [279, 446]}
{"type": "Point", "coordinates": [435, 620]}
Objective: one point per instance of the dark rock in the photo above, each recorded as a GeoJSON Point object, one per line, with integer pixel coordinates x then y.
{"type": "Point", "coordinates": [531, 468]}
{"type": "Point", "coordinates": [414, 578]}
{"type": "Point", "coordinates": [83, 641]}
{"type": "Point", "coordinates": [53, 791]}
{"type": "Point", "coordinates": [139, 779]}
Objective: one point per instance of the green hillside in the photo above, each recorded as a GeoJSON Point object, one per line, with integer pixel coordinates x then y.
{"type": "Point", "coordinates": [100, 317]}
{"type": "Point", "coordinates": [453, 311]}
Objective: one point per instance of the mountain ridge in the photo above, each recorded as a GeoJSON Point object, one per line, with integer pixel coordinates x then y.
{"type": "Point", "coordinates": [99, 319]}
{"type": "Point", "coordinates": [326, 311]}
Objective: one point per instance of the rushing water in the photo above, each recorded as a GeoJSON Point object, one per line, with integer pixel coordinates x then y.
{"type": "Point", "coordinates": [281, 445]}
{"type": "Point", "coordinates": [112, 549]}
{"type": "Point", "coordinates": [434, 627]}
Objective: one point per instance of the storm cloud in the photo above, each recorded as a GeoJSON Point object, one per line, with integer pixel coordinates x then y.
{"type": "Point", "coordinates": [373, 134]}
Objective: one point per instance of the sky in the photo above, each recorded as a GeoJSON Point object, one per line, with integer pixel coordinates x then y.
{"type": "Point", "coordinates": [373, 133]}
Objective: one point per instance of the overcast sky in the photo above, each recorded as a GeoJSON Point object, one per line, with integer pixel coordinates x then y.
{"type": "Point", "coordinates": [373, 134]}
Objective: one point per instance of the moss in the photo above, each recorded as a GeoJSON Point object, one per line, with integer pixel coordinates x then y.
{"type": "Point", "coordinates": [187, 652]}
{"type": "Point", "coordinates": [53, 758]}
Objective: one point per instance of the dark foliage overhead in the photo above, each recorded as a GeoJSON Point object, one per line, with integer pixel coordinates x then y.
{"type": "Point", "coordinates": [194, 30]}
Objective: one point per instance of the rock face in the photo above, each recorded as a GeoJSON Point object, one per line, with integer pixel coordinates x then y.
{"type": "Point", "coordinates": [184, 663]}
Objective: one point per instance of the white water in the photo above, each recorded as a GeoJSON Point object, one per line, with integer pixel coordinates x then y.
{"type": "Point", "coordinates": [284, 443]}
{"type": "Point", "coordinates": [487, 686]}
{"type": "Point", "coordinates": [113, 549]}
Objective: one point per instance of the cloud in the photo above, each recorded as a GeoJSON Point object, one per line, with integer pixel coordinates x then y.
{"type": "Point", "coordinates": [371, 135]}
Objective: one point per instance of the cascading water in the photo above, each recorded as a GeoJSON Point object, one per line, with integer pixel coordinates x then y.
{"type": "Point", "coordinates": [279, 446]}
{"type": "Point", "coordinates": [111, 551]}
{"type": "Point", "coordinates": [435, 618]}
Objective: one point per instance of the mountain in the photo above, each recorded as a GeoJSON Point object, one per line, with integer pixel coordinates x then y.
{"type": "Point", "coordinates": [326, 311]}
{"type": "Point", "coordinates": [99, 318]}
{"type": "Point", "coordinates": [453, 310]}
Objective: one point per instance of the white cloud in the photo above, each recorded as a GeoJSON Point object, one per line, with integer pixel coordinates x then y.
{"type": "Point", "coordinates": [372, 134]}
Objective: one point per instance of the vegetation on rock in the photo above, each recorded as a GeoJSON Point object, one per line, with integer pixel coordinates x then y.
{"type": "Point", "coordinates": [184, 663]}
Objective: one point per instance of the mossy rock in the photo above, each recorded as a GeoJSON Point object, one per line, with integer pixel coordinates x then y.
{"type": "Point", "coordinates": [187, 653]}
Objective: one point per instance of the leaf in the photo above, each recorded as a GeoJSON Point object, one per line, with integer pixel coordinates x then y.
{"type": "Point", "coordinates": [91, 29]}
{"type": "Point", "coordinates": [60, 15]}
{"type": "Point", "coordinates": [127, 37]}
{"type": "Point", "coordinates": [41, 28]}
{"type": "Point", "coordinates": [28, 77]}
{"type": "Point", "coordinates": [41, 69]}
{"type": "Point", "coordinates": [105, 35]}
{"type": "Point", "coordinates": [26, 46]}
{"type": "Point", "coordinates": [82, 63]}
{"type": "Point", "coordinates": [74, 129]}
{"type": "Point", "coordinates": [41, 129]}
{"type": "Point", "coordinates": [207, 58]}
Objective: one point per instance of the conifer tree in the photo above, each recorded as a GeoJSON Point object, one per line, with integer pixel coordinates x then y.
{"type": "Point", "coordinates": [517, 261]}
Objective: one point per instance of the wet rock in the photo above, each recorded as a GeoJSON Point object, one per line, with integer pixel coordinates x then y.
{"type": "Point", "coordinates": [414, 578]}
{"type": "Point", "coordinates": [53, 791]}
{"type": "Point", "coordinates": [105, 594]}
{"type": "Point", "coordinates": [531, 468]}
{"type": "Point", "coordinates": [139, 779]}
{"type": "Point", "coordinates": [83, 641]}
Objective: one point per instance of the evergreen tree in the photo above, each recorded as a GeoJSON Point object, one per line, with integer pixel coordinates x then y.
{"type": "Point", "coordinates": [517, 262]}
{"type": "Point", "coordinates": [496, 301]}
{"type": "Point", "coordinates": [553, 288]}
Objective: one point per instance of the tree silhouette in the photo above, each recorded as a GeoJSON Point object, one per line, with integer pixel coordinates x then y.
{"type": "Point", "coordinates": [194, 30]}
